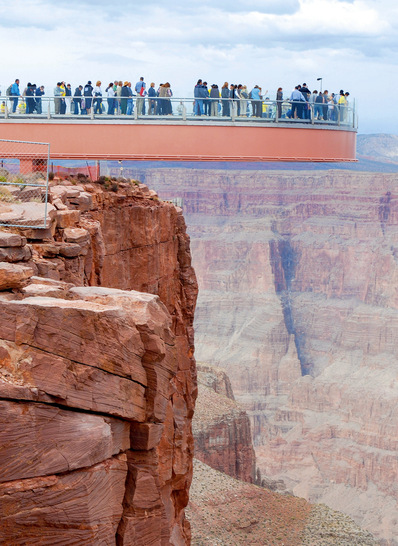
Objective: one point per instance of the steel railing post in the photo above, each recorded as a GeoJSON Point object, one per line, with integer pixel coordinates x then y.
{"type": "Point", "coordinates": [184, 112]}
{"type": "Point", "coordinates": [6, 111]}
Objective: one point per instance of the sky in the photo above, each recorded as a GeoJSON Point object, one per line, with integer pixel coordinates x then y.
{"type": "Point", "coordinates": [351, 44]}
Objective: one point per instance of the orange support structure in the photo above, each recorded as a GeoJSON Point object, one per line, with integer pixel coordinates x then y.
{"type": "Point", "coordinates": [185, 140]}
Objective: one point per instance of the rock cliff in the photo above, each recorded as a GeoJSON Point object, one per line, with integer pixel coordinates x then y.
{"type": "Point", "coordinates": [98, 379]}
{"type": "Point", "coordinates": [221, 428]}
{"type": "Point", "coordinates": [298, 302]}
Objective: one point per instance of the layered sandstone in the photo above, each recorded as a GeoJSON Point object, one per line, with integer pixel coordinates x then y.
{"type": "Point", "coordinates": [221, 428]}
{"type": "Point", "coordinates": [97, 383]}
{"type": "Point", "coordinates": [298, 303]}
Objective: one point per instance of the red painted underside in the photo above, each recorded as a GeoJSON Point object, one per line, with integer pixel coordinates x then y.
{"type": "Point", "coordinates": [186, 142]}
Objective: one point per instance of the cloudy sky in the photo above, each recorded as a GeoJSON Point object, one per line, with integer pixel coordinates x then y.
{"type": "Point", "coordinates": [351, 44]}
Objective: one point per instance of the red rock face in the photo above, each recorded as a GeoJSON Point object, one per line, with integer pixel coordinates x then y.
{"type": "Point", "coordinates": [98, 385]}
{"type": "Point", "coordinates": [298, 302]}
{"type": "Point", "coordinates": [221, 428]}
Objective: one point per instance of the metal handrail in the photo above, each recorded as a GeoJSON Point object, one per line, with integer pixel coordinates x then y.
{"type": "Point", "coordinates": [184, 108]}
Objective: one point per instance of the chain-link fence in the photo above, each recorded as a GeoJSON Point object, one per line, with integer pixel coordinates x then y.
{"type": "Point", "coordinates": [24, 183]}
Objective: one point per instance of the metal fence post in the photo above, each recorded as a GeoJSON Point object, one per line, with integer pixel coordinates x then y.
{"type": "Point", "coordinates": [184, 112]}
{"type": "Point", "coordinates": [6, 111]}
{"type": "Point", "coordinates": [49, 110]}
{"type": "Point", "coordinates": [24, 183]}
{"type": "Point", "coordinates": [233, 111]}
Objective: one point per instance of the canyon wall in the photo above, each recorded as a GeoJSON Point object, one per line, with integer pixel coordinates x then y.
{"type": "Point", "coordinates": [298, 303]}
{"type": "Point", "coordinates": [98, 379]}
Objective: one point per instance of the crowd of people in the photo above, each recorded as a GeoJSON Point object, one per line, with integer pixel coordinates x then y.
{"type": "Point", "coordinates": [208, 101]}
{"type": "Point", "coordinates": [298, 106]}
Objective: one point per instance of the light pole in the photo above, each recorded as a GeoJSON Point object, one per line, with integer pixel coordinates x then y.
{"type": "Point", "coordinates": [321, 80]}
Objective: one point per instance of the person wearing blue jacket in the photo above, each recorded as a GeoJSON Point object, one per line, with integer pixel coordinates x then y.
{"type": "Point", "coordinates": [15, 93]}
{"type": "Point", "coordinates": [225, 96]}
{"type": "Point", "coordinates": [200, 93]}
{"type": "Point", "coordinates": [256, 99]}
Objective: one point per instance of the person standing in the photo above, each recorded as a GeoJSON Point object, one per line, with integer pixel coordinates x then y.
{"type": "Point", "coordinates": [30, 101]}
{"type": "Point", "coordinates": [39, 93]}
{"type": "Point", "coordinates": [199, 96]}
{"type": "Point", "coordinates": [68, 99]}
{"type": "Point", "coordinates": [124, 95]}
{"type": "Point", "coordinates": [279, 100]}
{"type": "Point", "coordinates": [256, 99]}
{"type": "Point", "coordinates": [297, 100]}
{"type": "Point", "coordinates": [15, 93]}
{"type": "Point", "coordinates": [306, 94]}
{"type": "Point", "coordinates": [110, 97]}
{"type": "Point", "coordinates": [225, 100]}
{"type": "Point", "coordinates": [342, 102]}
{"type": "Point", "coordinates": [97, 103]}
{"type": "Point", "coordinates": [130, 104]}
{"type": "Point", "coordinates": [57, 98]}
{"type": "Point", "coordinates": [244, 95]}
{"type": "Point", "coordinates": [214, 97]}
{"type": "Point", "coordinates": [206, 100]}
{"type": "Point", "coordinates": [63, 95]}
{"type": "Point", "coordinates": [319, 102]}
{"type": "Point", "coordinates": [151, 99]}
{"type": "Point", "coordinates": [88, 93]}
{"type": "Point", "coordinates": [169, 94]}
{"type": "Point", "coordinates": [325, 104]}
{"type": "Point", "coordinates": [77, 99]}
{"type": "Point", "coordinates": [140, 89]}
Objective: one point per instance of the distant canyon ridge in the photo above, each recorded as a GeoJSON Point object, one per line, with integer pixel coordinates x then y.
{"type": "Point", "coordinates": [298, 298]}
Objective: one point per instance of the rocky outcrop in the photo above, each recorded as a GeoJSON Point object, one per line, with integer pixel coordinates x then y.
{"type": "Point", "coordinates": [97, 383]}
{"type": "Point", "coordinates": [298, 303]}
{"type": "Point", "coordinates": [221, 428]}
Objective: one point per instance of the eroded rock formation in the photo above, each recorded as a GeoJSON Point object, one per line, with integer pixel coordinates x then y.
{"type": "Point", "coordinates": [97, 383]}
{"type": "Point", "coordinates": [298, 302]}
{"type": "Point", "coordinates": [221, 428]}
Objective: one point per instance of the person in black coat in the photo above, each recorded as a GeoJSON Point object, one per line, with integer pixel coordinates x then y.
{"type": "Point", "coordinates": [77, 99]}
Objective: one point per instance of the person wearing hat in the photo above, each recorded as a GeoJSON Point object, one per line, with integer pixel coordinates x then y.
{"type": "Point", "coordinates": [88, 92]}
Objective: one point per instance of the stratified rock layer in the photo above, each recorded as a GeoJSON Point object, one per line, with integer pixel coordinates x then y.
{"type": "Point", "coordinates": [298, 302]}
{"type": "Point", "coordinates": [221, 428]}
{"type": "Point", "coordinates": [97, 384]}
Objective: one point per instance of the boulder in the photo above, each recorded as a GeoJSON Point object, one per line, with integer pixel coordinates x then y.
{"type": "Point", "coordinates": [13, 275]}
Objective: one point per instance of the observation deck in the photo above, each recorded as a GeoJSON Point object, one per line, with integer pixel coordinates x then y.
{"type": "Point", "coordinates": [182, 136]}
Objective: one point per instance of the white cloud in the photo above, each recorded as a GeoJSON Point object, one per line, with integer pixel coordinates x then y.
{"type": "Point", "coordinates": [268, 42]}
